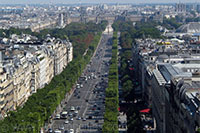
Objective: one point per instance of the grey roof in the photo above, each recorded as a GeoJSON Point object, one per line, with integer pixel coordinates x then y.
{"type": "Point", "coordinates": [168, 71]}
{"type": "Point", "coordinates": [163, 56]}
{"type": "Point", "coordinates": [159, 77]}
{"type": "Point", "coordinates": [160, 53]}
{"type": "Point", "coordinates": [193, 27]}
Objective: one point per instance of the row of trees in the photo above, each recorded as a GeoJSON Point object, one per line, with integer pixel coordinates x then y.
{"type": "Point", "coordinates": [171, 23]}
{"type": "Point", "coordinates": [129, 84]}
{"type": "Point", "coordinates": [140, 30]}
{"type": "Point", "coordinates": [126, 70]}
{"type": "Point", "coordinates": [39, 107]}
{"type": "Point", "coordinates": [112, 96]}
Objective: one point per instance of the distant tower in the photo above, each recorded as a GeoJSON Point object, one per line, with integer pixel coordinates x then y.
{"type": "Point", "coordinates": [61, 20]}
{"type": "Point", "coordinates": [180, 8]}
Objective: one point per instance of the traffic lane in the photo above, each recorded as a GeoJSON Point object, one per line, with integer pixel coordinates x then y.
{"type": "Point", "coordinates": [78, 122]}
{"type": "Point", "coordinates": [93, 120]}
{"type": "Point", "coordinates": [75, 124]}
{"type": "Point", "coordinates": [72, 101]}
{"type": "Point", "coordinates": [99, 99]}
{"type": "Point", "coordinates": [100, 115]}
{"type": "Point", "coordinates": [73, 104]}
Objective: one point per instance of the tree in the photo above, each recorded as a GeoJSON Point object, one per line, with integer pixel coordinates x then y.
{"type": "Point", "coordinates": [127, 87]}
{"type": "Point", "coordinates": [125, 78]}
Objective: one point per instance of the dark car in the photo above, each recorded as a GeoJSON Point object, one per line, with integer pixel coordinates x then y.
{"type": "Point", "coordinates": [90, 117]}
{"type": "Point", "coordinates": [50, 130]}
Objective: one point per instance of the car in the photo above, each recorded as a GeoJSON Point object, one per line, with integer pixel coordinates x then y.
{"type": "Point", "coordinates": [84, 119]}
{"type": "Point", "coordinates": [57, 116]}
{"type": "Point", "coordinates": [90, 117]}
{"type": "Point", "coordinates": [76, 111]}
{"type": "Point", "coordinates": [70, 114]}
{"type": "Point", "coordinates": [66, 122]}
{"type": "Point", "coordinates": [74, 115]}
{"type": "Point", "coordinates": [71, 119]}
{"type": "Point", "coordinates": [79, 118]}
{"type": "Point", "coordinates": [50, 130]}
{"type": "Point", "coordinates": [78, 108]}
{"type": "Point", "coordinates": [71, 131]}
{"type": "Point", "coordinates": [57, 131]}
{"type": "Point", "coordinates": [62, 127]}
{"type": "Point", "coordinates": [66, 131]}
{"type": "Point", "coordinates": [72, 108]}
{"type": "Point", "coordinates": [64, 114]}
{"type": "Point", "coordinates": [78, 87]}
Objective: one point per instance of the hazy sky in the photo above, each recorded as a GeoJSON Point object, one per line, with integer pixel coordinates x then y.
{"type": "Point", "coordinates": [91, 1]}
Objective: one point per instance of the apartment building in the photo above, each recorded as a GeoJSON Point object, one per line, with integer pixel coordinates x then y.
{"type": "Point", "coordinates": [35, 74]}
{"type": "Point", "coordinates": [169, 78]}
{"type": "Point", "coordinates": [6, 91]}
{"type": "Point", "coordinates": [26, 66]}
{"type": "Point", "coordinates": [21, 80]}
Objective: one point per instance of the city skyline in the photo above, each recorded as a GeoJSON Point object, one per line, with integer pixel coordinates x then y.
{"type": "Point", "coordinates": [92, 1]}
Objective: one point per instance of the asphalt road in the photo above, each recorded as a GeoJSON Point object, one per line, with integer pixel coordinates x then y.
{"type": "Point", "coordinates": [89, 96]}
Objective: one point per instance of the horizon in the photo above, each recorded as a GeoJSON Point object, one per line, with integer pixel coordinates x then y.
{"type": "Point", "coordinates": [77, 2]}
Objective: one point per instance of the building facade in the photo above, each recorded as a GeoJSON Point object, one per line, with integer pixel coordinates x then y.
{"type": "Point", "coordinates": [29, 65]}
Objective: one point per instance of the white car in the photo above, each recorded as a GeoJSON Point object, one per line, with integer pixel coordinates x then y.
{"type": "Point", "coordinates": [57, 131]}
{"type": "Point", "coordinates": [79, 118]}
{"type": "Point", "coordinates": [71, 131]}
{"type": "Point", "coordinates": [66, 122]}
{"type": "Point", "coordinates": [76, 111]}
{"type": "Point", "coordinates": [72, 108]}
{"type": "Point", "coordinates": [64, 114]}
{"type": "Point", "coordinates": [58, 116]}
